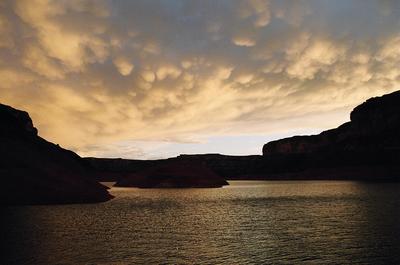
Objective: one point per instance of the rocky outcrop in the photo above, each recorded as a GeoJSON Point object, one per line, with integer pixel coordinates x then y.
{"type": "Point", "coordinates": [366, 148]}
{"type": "Point", "coordinates": [35, 171]}
{"type": "Point", "coordinates": [180, 173]}
{"type": "Point", "coordinates": [374, 126]}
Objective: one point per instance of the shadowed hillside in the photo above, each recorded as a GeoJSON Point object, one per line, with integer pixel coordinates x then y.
{"type": "Point", "coordinates": [35, 171]}
{"type": "Point", "coordinates": [174, 174]}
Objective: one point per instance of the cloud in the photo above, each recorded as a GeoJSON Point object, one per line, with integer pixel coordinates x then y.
{"type": "Point", "coordinates": [148, 76]}
{"type": "Point", "coordinates": [123, 65]}
{"type": "Point", "coordinates": [243, 41]}
{"type": "Point", "coordinates": [101, 73]}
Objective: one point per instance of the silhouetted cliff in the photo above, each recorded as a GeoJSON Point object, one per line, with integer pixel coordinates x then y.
{"type": "Point", "coordinates": [35, 171]}
{"type": "Point", "coordinates": [374, 126]}
{"type": "Point", "coordinates": [367, 147]}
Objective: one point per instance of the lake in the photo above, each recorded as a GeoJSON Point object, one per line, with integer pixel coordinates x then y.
{"type": "Point", "coordinates": [248, 222]}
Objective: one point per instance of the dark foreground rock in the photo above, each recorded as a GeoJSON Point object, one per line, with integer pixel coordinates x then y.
{"type": "Point", "coordinates": [174, 174]}
{"type": "Point", "coordinates": [35, 171]}
{"type": "Point", "coordinates": [367, 148]}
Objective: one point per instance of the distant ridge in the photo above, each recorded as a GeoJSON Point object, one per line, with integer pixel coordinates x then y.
{"type": "Point", "coordinates": [366, 148]}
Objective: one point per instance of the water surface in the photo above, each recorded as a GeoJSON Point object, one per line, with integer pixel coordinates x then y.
{"type": "Point", "coordinates": [248, 222]}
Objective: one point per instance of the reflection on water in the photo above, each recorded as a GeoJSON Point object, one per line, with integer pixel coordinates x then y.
{"type": "Point", "coordinates": [249, 222]}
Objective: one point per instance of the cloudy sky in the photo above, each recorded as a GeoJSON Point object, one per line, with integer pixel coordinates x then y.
{"type": "Point", "coordinates": [151, 79]}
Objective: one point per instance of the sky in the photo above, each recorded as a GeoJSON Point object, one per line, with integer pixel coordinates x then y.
{"type": "Point", "coordinates": [151, 79]}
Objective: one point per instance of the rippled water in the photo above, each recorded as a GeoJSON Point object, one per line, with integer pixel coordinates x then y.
{"type": "Point", "coordinates": [259, 222]}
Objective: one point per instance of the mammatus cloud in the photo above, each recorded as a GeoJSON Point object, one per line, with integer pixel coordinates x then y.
{"type": "Point", "coordinates": [95, 74]}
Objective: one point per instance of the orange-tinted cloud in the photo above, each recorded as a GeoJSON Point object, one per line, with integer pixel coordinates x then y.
{"type": "Point", "coordinates": [97, 73]}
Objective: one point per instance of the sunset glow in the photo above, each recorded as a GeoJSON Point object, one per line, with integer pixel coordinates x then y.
{"type": "Point", "coordinates": [151, 79]}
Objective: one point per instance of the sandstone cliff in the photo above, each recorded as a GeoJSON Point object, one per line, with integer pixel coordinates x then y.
{"type": "Point", "coordinates": [374, 125]}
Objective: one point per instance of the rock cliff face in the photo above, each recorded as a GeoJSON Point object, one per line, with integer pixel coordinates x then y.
{"type": "Point", "coordinates": [374, 125]}
{"type": "Point", "coordinates": [366, 148]}
{"type": "Point", "coordinates": [35, 171]}
{"type": "Point", "coordinates": [179, 173]}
